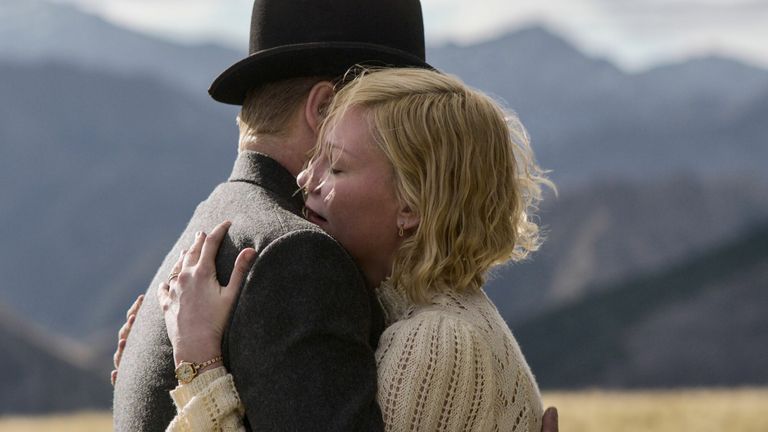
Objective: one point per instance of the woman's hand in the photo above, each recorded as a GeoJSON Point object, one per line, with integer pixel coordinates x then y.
{"type": "Point", "coordinates": [122, 335]}
{"type": "Point", "coordinates": [195, 307]}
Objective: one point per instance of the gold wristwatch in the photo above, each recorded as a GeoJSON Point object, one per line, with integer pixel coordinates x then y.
{"type": "Point", "coordinates": [187, 371]}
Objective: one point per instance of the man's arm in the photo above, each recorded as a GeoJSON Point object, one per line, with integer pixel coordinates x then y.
{"type": "Point", "coordinates": [298, 341]}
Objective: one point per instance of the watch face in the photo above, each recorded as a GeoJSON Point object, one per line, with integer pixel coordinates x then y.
{"type": "Point", "coordinates": [185, 372]}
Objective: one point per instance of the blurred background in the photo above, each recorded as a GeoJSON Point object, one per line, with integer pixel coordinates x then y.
{"type": "Point", "coordinates": [652, 116]}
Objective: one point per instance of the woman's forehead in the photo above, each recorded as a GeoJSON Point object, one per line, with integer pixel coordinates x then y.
{"type": "Point", "coordinates": [349, 133]}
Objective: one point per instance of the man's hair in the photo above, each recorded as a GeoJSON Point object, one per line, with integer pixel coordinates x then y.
{"type": "Point", "coordinates": [267, 109]}
{"type": "Point", "coordinates": [461, 163]}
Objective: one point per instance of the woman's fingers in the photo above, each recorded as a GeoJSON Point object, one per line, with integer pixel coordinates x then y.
{"type": "Point", "coordinates": [194, 252]}
{"type": "Point", "coordinates": [243, 265]}
{"type": "Point", "coordinates": [177, 266]}
{"type": "Point", "coordinates": [163, 295]}
{"type": "Point", "coordinates": [126, 328]}
{"type": "Point", "coordinates": [175, 271]}
{"type": "Point", "coordinates": [118, 353]}
{"type": "Point", "coordinates": [113, 377]}
{"type": "Point", "coordinates": [211, 246]}
{"type": "Point", "coordinates": [134, 309]}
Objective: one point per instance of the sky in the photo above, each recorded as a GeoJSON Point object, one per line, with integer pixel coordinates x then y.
{"type": "Point", "coordinates": [634, 34]}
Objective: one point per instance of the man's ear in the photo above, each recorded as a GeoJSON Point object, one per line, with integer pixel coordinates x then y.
{"type": "Point", "coordinates": [317, 102]}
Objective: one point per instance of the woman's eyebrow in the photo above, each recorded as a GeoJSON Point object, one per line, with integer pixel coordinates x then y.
{"type": "Point", "coordinates": [341, 150]}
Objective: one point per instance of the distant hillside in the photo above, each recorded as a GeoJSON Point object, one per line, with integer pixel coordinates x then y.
{"type": "Point", "coordinates": [608, 231]}
{"type": "Point", "coordinates": [699, 323]}
{"type": "Point", "coordinates": [589, 120]}
{"type": "Point", "coordinates": [39, 378]}
{"type": "Point", "coordinates": [44, 31]}
{"type": "Point", "coordinates": [98, 175]}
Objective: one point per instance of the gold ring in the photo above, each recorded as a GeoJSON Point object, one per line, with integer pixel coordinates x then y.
{"type": "Point", "coordinates": [172, 276]}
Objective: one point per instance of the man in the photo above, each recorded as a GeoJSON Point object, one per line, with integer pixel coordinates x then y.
{"type": "Point", "coordinates": [302, 336]}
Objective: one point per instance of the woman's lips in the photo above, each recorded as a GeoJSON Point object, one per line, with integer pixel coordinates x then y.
{"type": "Point", "coordinates": [314, 217]}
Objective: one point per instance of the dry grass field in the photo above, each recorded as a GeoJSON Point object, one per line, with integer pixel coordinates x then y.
{"type": "Point", "coordinates": [739, 410]}
{"type": "Point", "coordinates": [83, 422]}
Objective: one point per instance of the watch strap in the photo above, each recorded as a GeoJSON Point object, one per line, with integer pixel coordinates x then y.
{"type": "Point", "coordinates": [185, 375]}
{"type": "Point", "coordinates": [199, 366]}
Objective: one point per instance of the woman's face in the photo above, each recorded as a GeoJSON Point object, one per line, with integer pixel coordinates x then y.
{"type": "Point", "coordinates": [351, 195]}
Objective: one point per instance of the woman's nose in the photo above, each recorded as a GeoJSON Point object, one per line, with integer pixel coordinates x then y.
{"type": "Point", "coordinates": [303, 177]}
{"type": "Point", "coordinates": [307, 179]}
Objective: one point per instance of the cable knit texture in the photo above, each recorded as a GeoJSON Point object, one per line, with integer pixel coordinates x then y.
{"type": "Point", "coordinates": [450, 365]}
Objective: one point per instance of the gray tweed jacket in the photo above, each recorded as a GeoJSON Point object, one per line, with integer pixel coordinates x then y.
{"type": "Point", "coordinates": [303, 334]}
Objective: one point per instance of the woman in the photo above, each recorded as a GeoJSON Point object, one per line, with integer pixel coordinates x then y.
{"type": "Point", "coordinates": [427, 184]}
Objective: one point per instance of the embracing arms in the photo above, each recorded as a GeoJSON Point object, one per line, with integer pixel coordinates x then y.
{"type": "Point", "coordinates": [287, 358]}
{"type": "Point", "coordinates": [298, 343]}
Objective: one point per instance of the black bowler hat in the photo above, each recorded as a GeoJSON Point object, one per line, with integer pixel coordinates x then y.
{"type": "Point", "coordinates": [295, 38]}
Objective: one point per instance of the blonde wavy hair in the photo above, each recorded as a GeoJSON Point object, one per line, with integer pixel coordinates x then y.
{"type": "Point", "coordinates": [461, 162]}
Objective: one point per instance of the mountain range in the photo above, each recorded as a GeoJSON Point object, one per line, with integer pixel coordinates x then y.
{"type": "Point", "coordinates": [42, 374]}
{"type": "Point", "coordinates": [107, 143]}
{"type": "Point", "coordinates": [613, 231]}
{"type": "Point", "coordinates": [588, 118]}
{"type": "Point", "coordinates": [695, 323]}
{"type": "Point", "coordinates": [34, 31]}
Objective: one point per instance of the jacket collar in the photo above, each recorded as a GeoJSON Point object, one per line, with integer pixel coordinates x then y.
{"type": "Point", "coordinates": [262, 170]}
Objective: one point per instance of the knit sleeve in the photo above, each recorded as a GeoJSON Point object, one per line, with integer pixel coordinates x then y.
{"type": "Point", "coordinates": [437, 373]}
{"type": "Point", "coordinates": [210, 402]}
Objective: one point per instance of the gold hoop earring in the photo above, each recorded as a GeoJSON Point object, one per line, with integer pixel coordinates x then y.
{"type": "Point", "coordinates": [401, 230]}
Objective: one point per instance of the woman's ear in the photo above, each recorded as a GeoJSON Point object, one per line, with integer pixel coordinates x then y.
{"type": "Point", "coordinates": [317, 102]}
{"type": "Point", "coordinates": [407, 218]}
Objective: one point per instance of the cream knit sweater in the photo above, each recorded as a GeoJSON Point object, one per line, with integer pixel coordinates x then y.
{"type": "Point", "coordinates": [450, 365]}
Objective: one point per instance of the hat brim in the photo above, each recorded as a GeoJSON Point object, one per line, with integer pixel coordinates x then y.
{"type": "Point", "coordinates": [308, 59]}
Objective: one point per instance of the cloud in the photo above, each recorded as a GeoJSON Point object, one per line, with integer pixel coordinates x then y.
{"type": "Point", "coordinates": [467, 21]}
{"type": "Point", "coordinates": [648, 31]}
{"type": "Point", "coordinates": [634, 33]}
{"type": "Point", "coordinates": [184, 20]}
